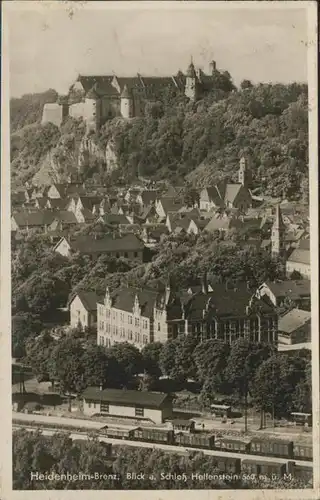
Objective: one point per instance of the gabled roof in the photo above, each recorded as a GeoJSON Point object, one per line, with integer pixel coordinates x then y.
{"type": "Point", "coordinates": [300, 256]}
{"type": "Point", "coordinates": [125, 397]}
{"type": "Point", "coordinates": [221, 223]}
{"type": "Point", "coordinates": [89, 245]}
{"type": "Point", "coordinates": [148, 196]}
{"type": "Point", "coordinates": [225, 301]}
{"type": "Point", "coordinates": [291, 288]}
{"type": "Point", "coordinates": [66, 217]}
{"type": "Point", "coordinates": [170, 204]}
{"type": "Point", "coordinates": [115, 219]}
{"type": "Point", "coordinates": [88, 202]}
{"type": "Point", "coordinates": [38, 218]}
{"type": "Point", "coordinates": [58, 203]}
{"type": "Point", "coordinates": [294, 319]}
{"type": "Point", "coordinates": [304, 244]}
{"type": "Point", "coordinates": [231, 192]}
{"type": "Point", "coordinates": [211, 194]}
{"type": "Point", "coordinates": [124, 300]}
{"type": "Point", "coordinates": [89, 300]}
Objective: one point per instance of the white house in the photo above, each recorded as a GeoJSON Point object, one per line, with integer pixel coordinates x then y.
{"type": "Point", "coordinates": [83, 310]}
{"type": "Point", "coordinates": [299, 261]}
{"type": "Point", "coordinates": [142, 405]}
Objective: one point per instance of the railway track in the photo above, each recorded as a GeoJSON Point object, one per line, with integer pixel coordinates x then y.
{"type": "Point", "coordinates": [173, 448]}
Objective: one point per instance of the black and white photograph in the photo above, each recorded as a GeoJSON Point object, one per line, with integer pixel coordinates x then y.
{"type": "Point", "coordinates": [162, 311]}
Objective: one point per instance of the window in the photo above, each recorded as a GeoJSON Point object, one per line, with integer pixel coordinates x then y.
{"type": "Point", "coordinates": [121, 317]}
{"type": "Point", "coordinates": [135, 254]}
{"type": "Point", "coordinates": [104, 407]}
{"type": "Point", "coordinates": [145, 339]}
{"type": "Point", "coordinates": [89, 404]}
{"type": "Point", "coordinates": [130, 320]}
{"type": "Point", "coordinates": [137, 322]}
{"type": "Point", "coordinates": [159, 327]}
{"type": "Point", "coordinates": [108, 313]}
{"type": "Point", "coordinates": [126, 254]}
{"type": "Point", "coordinates": [139, 412]}
{"type": "Point", "coordinates": [130, 334]}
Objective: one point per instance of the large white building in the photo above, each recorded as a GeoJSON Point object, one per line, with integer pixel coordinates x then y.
{"type": "Point", "coordinates": [142, 405]}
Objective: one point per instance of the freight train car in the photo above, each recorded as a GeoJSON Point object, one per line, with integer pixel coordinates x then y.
{"type": "Point", "coordinates": [259, 467]}
{"type": "Point", "coordinates": [153, 435]}
{"type": "Point", "coordinates": [117, 433]}
{"type": "Point", "coordinates": [302, 452]}
{"type": "Point", "coordinates": [228, 465]}
{"type": "Point", "coordinates": [233, 445]}
{"type": "Point", "coordinates": [271, 447]}
{"type": "Point", "coordinates": [201, 440]}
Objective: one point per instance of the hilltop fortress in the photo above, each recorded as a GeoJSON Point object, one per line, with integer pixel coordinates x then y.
{"type": "Point", "coordinates": [97, 99]}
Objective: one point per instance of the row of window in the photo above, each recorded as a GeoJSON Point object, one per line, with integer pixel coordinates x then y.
{"type": "Point", "coordinates": [105, 408]}
{"type": "Point", "coordinates": [125, 335]}
{"type": "Point", "coordinates": [122, 318]}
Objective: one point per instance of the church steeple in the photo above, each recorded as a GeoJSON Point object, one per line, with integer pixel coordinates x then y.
{"type": "Point", "coordinates": [277, 235]}
{"type": "Point", "coordinates": [244, 172]}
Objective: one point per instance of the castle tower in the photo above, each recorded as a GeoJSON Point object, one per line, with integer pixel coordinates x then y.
{"type": "Point", "coordinates": [64, 102]}
{"type": "Point", "coordinates": [126, 104]}
{"type": "Point", "coordinates": [213, 67]}
{"type": "Point", "coordinates": [244, 172]}
{"type": "Point", "coordinates": [92, 115]}
{"type": "Point", "coordinates": [192, 83]}
{"type": "Point", "coordinates": [277, 234]}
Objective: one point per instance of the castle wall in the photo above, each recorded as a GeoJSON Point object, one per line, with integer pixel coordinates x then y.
{"type": "Point", "coordinates": [52, 113]}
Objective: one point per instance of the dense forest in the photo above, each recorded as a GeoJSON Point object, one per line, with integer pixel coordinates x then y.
{"type": "Point", "coordinates": [150, 469]}
{"type": "Point", "coordinates": [183, 141]}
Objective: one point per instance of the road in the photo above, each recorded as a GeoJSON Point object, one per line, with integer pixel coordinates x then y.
{"type": "Point", "coordinates": [177, 449]}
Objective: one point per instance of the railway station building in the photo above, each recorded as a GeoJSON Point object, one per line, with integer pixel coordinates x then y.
{"type": "Point", "coordinates": [138, 405]}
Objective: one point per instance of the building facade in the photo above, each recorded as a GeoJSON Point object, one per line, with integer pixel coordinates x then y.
{"type": "Point", "coordinates": [99, 98]}
{"type": "Point", "coordinates": [143, 316]}
{"type": "Point", "coordinates": [141, 405]}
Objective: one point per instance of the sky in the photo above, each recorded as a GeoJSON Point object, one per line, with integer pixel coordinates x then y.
{"type": "Point", "coordinates": [49, 44]}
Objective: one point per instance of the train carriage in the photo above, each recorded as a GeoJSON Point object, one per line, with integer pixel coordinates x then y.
{"type": "Point", "coordinates": [302, 452]}
{"type": "Point", "coordinates": [235, 445]}
{"type": "Point", "coordinates": [260, 467]}
{"type": "Point", "coordinates": [303, 472]}
{"type": "Point", "coordinates": [204, 441]}
{"type": "Point", "coordinates": [117, 433]}
{"type": "Point", "coordinates": [228, 465]}
{"type": "Point", "coordinates": [153, 435]}
{"type": "Point", "coordinates": [272, 447]}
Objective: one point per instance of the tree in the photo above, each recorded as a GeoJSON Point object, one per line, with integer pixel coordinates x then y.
{"type": "Point", "coordinates": [246, 84]}
{"type": "Point", "coordinates": [129, 360]}
{"type": "Point", "coordinates": [211, 358]}
{"type": "Point", "coordinates": [24, 327]}
{"type": "Point", "coordinates": [275, 383]}
{"type": "Point", "coordinates": [151, 358]}
{"type": "Point", "coordinates": [66, 366]}
{"type": "Point", "coordinates": [244, 360]}
{"type": "Point", "coordinates": [38, 356]}
{"type": "Point", "coordinates": [176, 358]}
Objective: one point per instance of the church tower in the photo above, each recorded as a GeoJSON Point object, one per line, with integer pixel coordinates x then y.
{"type": "Point", "coordinates": [277, 234]}
{"type": "Point", "coordinates": [244, 172]}
{"type": "Point", "coordinates": [126, 104]}
{"type": "Point", "coordinates": [192, 83]}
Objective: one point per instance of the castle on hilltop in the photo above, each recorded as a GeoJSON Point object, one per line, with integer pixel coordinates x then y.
{"type": "Point", "coordinates": [97, 99]}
